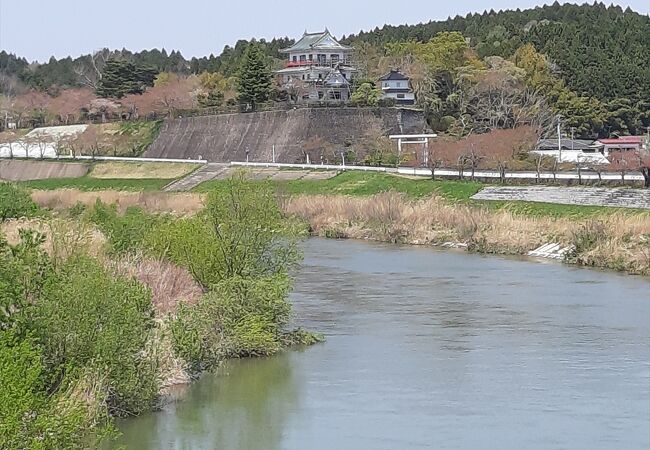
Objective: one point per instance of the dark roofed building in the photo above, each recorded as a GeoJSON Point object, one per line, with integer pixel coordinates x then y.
{"type": "Point", "coordinates": [567, 144]}
{"type": "Point", "coordinates": [397, 86]}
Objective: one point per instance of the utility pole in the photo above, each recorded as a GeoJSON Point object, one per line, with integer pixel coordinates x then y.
{"type": "Point", "coordinates": [273, 153]}
{"type": "Point", "coordinates": [573, 130]}
{"type": "Point", "coordinates": [559, 137]}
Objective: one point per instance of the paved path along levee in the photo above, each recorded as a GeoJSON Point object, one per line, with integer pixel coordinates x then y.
{"type": "Point", "coordinates": [588, 196]}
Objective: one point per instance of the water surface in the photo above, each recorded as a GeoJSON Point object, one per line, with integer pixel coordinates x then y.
{"type": "Point", "coordinates": [433, 349]}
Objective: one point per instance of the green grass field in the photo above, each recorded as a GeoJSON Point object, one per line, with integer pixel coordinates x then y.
{"type": "Point", "coordinates": [96, 184]}
{"type": "Point", "coordinates": [368, 183]}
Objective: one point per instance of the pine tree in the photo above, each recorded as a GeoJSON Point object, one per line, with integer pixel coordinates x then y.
{"type": "Point", "coordinates": [255, 77]}
{"type": "Point", "coordinates": [121, 78]}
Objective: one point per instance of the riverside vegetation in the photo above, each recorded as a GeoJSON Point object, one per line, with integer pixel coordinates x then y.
{"type": "Point", "coordinates": [102, 310]}
{"type": "Point", "coordinates": [389, 208]}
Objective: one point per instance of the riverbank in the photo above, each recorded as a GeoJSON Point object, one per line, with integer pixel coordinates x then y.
{"type": "Point", "coordinates": [417, 211]}
{"type": "Point", "coordinates": [104, 308]}
{"type": "Point", "coordinates": [616, 241]}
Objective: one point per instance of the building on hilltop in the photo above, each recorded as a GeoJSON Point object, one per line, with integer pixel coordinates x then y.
{"type": "Point", "coordinates": [319, 68]}
{"type": "Point", "coordinates": [397, 86]}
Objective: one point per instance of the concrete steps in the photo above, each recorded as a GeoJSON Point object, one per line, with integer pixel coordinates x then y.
{"type": "Point", "coordinates": [208, 172]}
{"type": "Point", "coordinates": [612, 197]}
{"type": "Point", "coordinates": [551, 251]}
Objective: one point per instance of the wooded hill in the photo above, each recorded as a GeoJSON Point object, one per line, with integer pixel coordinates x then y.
{"type": "Point", "coordinates": [588, 63]}
{"type": "Point", "coordinates": [599, 51]}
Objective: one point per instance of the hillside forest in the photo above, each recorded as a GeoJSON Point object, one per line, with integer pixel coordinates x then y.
{"type": "Point", "coordinates": [587, 64]}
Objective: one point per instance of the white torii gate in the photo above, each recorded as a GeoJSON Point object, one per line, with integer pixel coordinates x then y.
{"type": "Point", "coordinates": [406, 139]}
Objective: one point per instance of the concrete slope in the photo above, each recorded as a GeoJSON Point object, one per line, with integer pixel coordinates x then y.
{"type": "Point", "coordinates": [614, 197]}
{"type": "Point", "coordinates": [226, 137]}
{"type": "Point", "coordinates": [17, 170]}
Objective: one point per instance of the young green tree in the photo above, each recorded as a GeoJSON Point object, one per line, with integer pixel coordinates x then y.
{"type": "Point", "coordinates": [255, 77]}
{"type": "Point", "coordinates": [366, 95]}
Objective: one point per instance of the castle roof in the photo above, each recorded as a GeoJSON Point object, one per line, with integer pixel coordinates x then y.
{"type": "Point", "coordinates": [316, 41]}
{"type": "Point", "coordinates": [394, 75]}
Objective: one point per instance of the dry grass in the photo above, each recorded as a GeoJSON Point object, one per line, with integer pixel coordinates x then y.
{"type": "Point", "coordinates": [170, 284]}
{"type": "Point", "coordinates": [172, 370]}
{"type": "Point", "coordinates": [176, 203]}
{"type": "Point", "coordinates": [623, 245]}
{"type": "Point", "coordinates": [63, 237]}
{"type": "Point", "coordinates": [139, 170]}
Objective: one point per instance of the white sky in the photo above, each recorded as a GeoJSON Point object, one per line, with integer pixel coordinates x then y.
{"type": "Point", "coordinates": [37, 29]}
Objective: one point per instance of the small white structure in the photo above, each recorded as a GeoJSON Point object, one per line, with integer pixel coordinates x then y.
{"type": "Point", "coordinates": [397, 86]}
{"type": "Point", "coordinates": [570, 151]}
{"type": "Point", "coordinates": [410, 139]}
{"type": "Point", "coordinates": [40, 142]}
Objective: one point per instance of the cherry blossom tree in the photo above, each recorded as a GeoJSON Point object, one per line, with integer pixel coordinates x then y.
{"type": "Point", "coordinates": [631, 161]}
{"type": "Point", "coordinates": [67, 106]}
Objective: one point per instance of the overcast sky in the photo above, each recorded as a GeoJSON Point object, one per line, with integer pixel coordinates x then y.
{"type": "Point", "coordinates": [37, 29]}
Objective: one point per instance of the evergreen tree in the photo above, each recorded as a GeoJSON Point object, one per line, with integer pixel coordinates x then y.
{"type": "Point", "coordinates": [121, 78]}
{"type": "Point", "coordinates": [212, 99]}
{"type": "Point", "coordinates": [255, 77]}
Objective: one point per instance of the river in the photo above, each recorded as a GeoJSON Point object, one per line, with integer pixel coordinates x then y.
{"type": "Point", "coordinates": [432, 349]}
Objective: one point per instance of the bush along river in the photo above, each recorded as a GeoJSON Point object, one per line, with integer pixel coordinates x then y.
{"type": "Point", "coordinates": [432, 349]}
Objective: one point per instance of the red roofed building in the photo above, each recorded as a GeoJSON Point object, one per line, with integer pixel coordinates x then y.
{"type": "Point", "coordinates": [624, 143]}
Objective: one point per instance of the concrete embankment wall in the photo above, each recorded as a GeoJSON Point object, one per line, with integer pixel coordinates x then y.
{"type": "Point", "coordinates": [226, 137]}
{"type": "Point", "coordinates": [19, 170]}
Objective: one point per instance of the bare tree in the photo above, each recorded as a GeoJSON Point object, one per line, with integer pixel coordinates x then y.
{"type": "Point", "coordinates": [89, 70]}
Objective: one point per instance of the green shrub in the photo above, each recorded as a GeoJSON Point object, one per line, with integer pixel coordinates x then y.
{"type": "Point", "coordinates": [86, 318]}
{"type": "Point", "coordinates": [125, 232]}
{"type": "Point", "coordinates": [29, 417]}
{"type": "Point", "coordinates": [190, 243]}
{"type": "Point", "coordinates": [588, 236]}
{"type": "Point", "coordinates": [240, 317]}
{"type": "Point", "coordinates": [15, 202]}
{"type": "Point", "coordinates": [24, 267]}
{"type": "Point", "coordinates": [77, 210]}
{"type": "Point", "coordinates": [242, 233]}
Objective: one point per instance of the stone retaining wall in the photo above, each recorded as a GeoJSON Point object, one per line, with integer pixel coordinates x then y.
{"type": "Point", "coordinates": [613, 197]}
{"type": "Point", "coordinates": [226, 137]}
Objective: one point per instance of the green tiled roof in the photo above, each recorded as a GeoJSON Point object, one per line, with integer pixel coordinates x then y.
{"type": "Point", "coordinates": [315, 41]}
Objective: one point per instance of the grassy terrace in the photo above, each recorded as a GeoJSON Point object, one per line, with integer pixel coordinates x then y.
{"type": "Point", "coordinates": [369, 183]}
{"type": "Point", "coordinates": [98, 184]}
{"type": "Point", "coordinates": [356, 184]}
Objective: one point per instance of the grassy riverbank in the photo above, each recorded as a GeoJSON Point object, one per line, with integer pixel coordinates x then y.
{"type": "Point", "coordinates": [365, 184]}
{"type": "Point", "coordinates": [103, 308]}
{"type": "Point", "coordinates": [401, 209]}
{"type": "Point", "coordinates": [611, 240]}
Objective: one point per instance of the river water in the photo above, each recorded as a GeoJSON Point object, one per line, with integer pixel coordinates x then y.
{"type": "Point", "coordinates": [432, 349]}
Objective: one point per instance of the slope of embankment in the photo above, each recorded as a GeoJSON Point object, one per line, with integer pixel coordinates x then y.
{"type": "Point", "coordinates": [20, 170]}
{"type": "Point", "coordinates": [226, 137]}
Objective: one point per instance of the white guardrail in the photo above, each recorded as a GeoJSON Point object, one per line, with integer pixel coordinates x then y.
{"type": "Point", "coordinates": [446, 173]}
{"type": "Point", "coordinates": [127, 159]}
